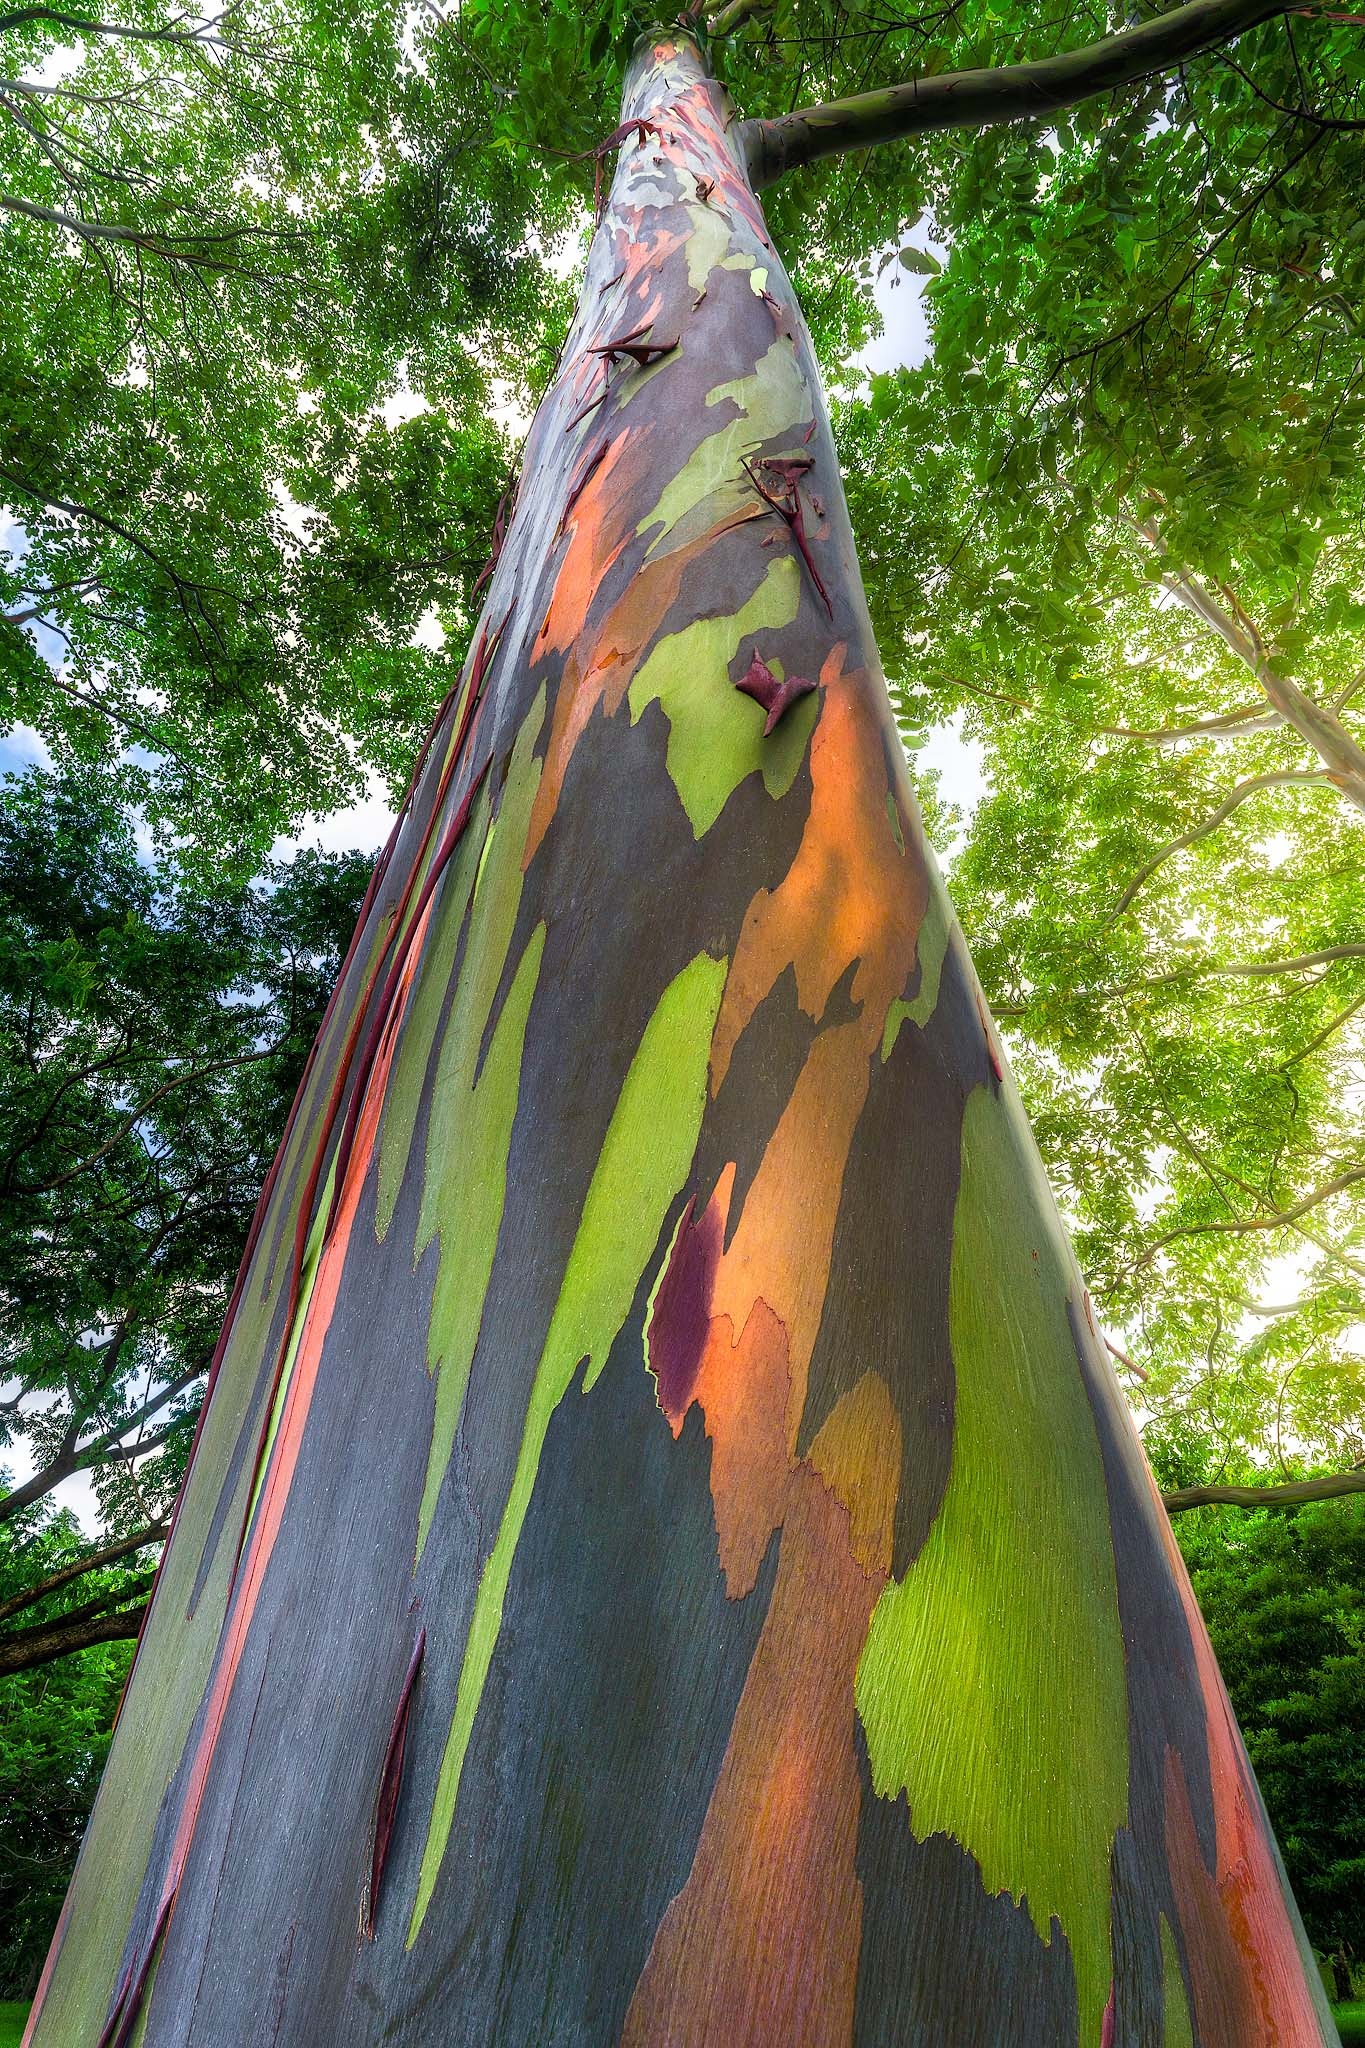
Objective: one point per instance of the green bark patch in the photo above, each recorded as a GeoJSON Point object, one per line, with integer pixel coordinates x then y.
{"type": "Point", "coordinates": [773, 401]}
{"type": "Point", "coordinates": [715, 734]}
{"type": "Point", "coordinates": [931, 947]}
{"type": "Point", "coordinates": [473, 1177]}
{"type": "Point", "coordinates": [992, 1684]}
{"type": "Point", "coordinates": [472, 1109]}
{"type": "Point", "coordinates": [644, 1161]}
{"type": "Point", "coordinates": [403, 1100]}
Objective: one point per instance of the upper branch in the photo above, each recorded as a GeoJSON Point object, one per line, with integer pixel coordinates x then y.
{"type": "Point", "coordinates": [183, 29]}
{"type": "Point", "coordinates": [1343, 756]}
{"type": "Point", "coordinates": [1279, 778]}
{"type": "Point", "coordinates": [1008, 92]}
{"type": "Point", "coordinates": [734, 15]}
{"type": "Point", "coordinates": [1290, 1495]}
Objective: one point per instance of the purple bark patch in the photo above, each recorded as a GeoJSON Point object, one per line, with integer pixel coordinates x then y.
{"type": "Point", "coordinates": [759, 682]}
{"type": "Point", "coordinates": [681, 1320]}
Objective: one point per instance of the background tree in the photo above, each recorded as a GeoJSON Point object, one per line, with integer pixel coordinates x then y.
{"type": "Point", "coordinates": [1115, 523]}
{"type": "Point", "coordinates": [151, 1038]}
{"type": "Point", "coordinates": [54, 1736]}
{"type": "Point", "coordinates": [223, 236]}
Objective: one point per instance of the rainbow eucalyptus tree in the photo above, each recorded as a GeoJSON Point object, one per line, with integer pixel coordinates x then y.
{"type": "Point", "coordinates": [666, 1559]}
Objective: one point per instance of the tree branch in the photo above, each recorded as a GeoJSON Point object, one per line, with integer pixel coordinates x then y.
{"type": "Point", "coordinates": [107, 1449]}
{"type": "Point", "coordinates": [28, 1648]}
{"type": "Point", "coordinates": [1293, 966]}
{"type": "Point", "coordinates": [1343, 759]}
{"type": "Point", "coordinates": [1287, 1496]}
{"type": "Point", "coordinates": [1207, 970]}
{"type": "Point", "coordinates": [1009, 92]}
{"type": "Point", "coordinates": [93, 1561]}
{"type": "Point", "coordinates": [1251, 787]}
{"type": "Point", "coordinates": [81, 25]}
{"type": "Point", "coordinates": [40, 609]}
{"type": "Point", "coordinates": [93, 1452]}
{"type": "Point", "coordinates": [135, 1117]}
{"type": "Point", "coordinates": [1122, 1356]}
{"type": "Point", "coordinates": [103, 1603]}
{"type": "Point", "coordinates": [1230, 725]}
{"type": "Point", "coordinates": [1275, 1219]}
{"type": "Point", "coordinates": [727, 19]}
{"type": "Point", "coordinates": [1320, 1038]}
{"type": "Point", "coordinates": [194, 249]}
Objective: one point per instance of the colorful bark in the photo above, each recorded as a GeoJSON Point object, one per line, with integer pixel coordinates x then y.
{"type": "Point", "coordinates": [666, 1559]}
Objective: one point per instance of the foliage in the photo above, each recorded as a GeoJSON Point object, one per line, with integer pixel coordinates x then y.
{"type": "Point", "coordinates": [1115, 526]}
{"type": "Point", "coordinates": [54, 1735]}
{"type": "Point", "coordinates": [223, 240]}
{"type": "Point", "coordinates": [1148, 316]}
{"type": "Point", "coordinates": [228, 244]}
{"type": "Point", "coordinates": [1284, 1598]}
{"type": "Point", "coordinates": [151, 1037]}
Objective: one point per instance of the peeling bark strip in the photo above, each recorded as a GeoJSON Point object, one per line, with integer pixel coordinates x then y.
{"type": "Point", "coordinates": [658, 1289]}
{"type": "Point", "coordinates": [390, 1783]}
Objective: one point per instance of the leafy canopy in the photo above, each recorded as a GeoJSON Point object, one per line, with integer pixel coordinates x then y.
{"type": "Point", "coordinates": [55, 1727]}
{"type": "Point", "coordinates": [222, 242]}
{"type": "Point", "coordinates": [276, 277]}
{"type": "Point", "coordinates": [1114, 528]}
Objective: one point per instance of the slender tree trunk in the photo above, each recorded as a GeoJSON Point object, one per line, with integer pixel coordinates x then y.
{"type": "Point", "coordinates": [667, 1560]}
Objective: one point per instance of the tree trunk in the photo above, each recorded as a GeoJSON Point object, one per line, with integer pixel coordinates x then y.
{"type": "Point", "coordinates": [667, 1560]}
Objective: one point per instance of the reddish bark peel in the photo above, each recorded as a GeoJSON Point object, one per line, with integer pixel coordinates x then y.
{"type": "Point", "coordinates": [778, 484]}
{"type": "Point", "coordinates": [776, 698]}
{"type": "Point", "coordinates": [657, 1291]}
{"type": "Point", "coordinates": [390, 1784]}
{"type": "Point", "coordinates": [680, 1321]}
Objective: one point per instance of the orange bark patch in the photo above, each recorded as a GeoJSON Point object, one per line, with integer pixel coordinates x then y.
{"type": "Point", "coordinates": [852, 898]}
{"type": "Point", "coordinates": [742, 1390]}
{"type": "Point", "coordinates": [761, 1945]}
{"type": "Point", "coordinates": [1227, 2008]}
{"type": "Point", "coordinates": [852, 894]}
{"type": "Point", "coordinates": [599, 526]}
{"type": "Point", "coordinates": [857, 1453]}
{"type": "Point", "coordinates": [600, 666]}
{"type": "Point", "coordinates": [781, 1249]}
